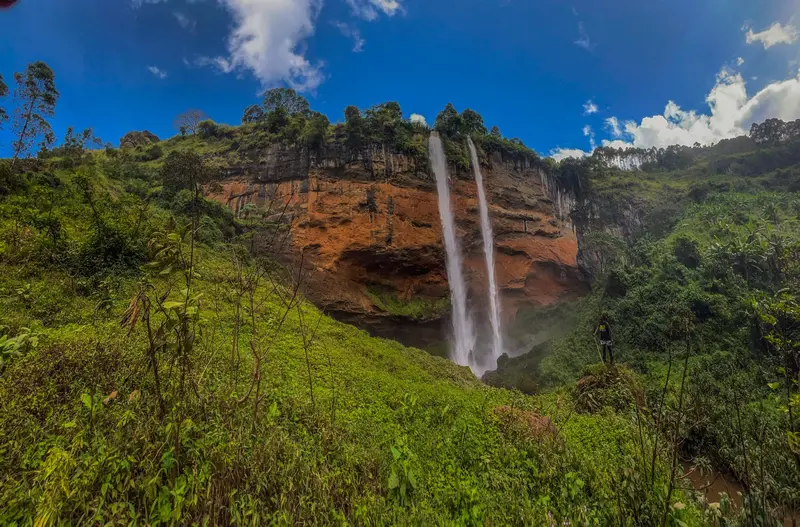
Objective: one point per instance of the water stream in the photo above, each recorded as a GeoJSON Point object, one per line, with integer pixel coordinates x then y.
{"type": "Point", "coordinates": [463, 331]}
{"type": "Point", "coordinates": [488, 250]}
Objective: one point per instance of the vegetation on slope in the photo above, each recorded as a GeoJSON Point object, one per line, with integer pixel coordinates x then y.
{"type": "Point", "coordinates": [705, 283]}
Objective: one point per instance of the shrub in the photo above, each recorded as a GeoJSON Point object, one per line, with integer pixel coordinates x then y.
{"type": "Point", "coordinates": [108, 248]}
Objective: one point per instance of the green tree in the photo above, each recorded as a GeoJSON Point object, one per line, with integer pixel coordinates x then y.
{"type": "Point", "coordinates": [36, 97]}
{"type": "Point", "coordinates": [472, 123]}
{"type": "Point", "coordinates": [185, 170]}
{"type": "Point", "coordinates": [286, 99]}
{"type": "Point", "coordinates": [770, 131]}
{"type": "Point", "coordinates": [277, 120]}
{"type": "Point", "coordinates": [3, 93]}
{"type": "Point", "coordinates": [253, 114]}
{"type": "Point", "coordinates": [448, 122]}
{"type": "Point", "coordinates": [384, 122]}
{"type": "Point", "coordinates": [315, 132]}
{"type": "Point", "coordinates": [354, 129]}
{"type": "Point", "coordinates": [496, 133]}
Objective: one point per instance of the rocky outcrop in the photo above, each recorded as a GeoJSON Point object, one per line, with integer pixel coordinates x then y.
{"type": "Point", "coordinates": [372, 233]}
{"type": "Point", "coordinates": [134, 139]}
{"type": "Point", "coordinates": [598, 220]}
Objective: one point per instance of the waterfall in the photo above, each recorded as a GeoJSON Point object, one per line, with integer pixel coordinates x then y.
{"type": "Point", "coordinates": [488, 250]}
{"type": "Point", "coordinates": [463, 333]}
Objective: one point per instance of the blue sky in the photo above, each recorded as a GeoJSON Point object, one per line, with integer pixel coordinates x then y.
{"type": "Point", "coordinates": [528, 66]}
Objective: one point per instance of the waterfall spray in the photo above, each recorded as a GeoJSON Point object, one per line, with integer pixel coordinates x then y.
{"type": "Point", "coordinates": [488, 249]}
{"type": "Point", "coordinates": [463, 333]}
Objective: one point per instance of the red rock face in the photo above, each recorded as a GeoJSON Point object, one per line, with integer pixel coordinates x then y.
{"type": "Point", "coordinates": [360, 234]}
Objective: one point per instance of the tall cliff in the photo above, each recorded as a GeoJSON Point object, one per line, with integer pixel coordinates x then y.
{"type": "Point", "coordinates": [372, 232]}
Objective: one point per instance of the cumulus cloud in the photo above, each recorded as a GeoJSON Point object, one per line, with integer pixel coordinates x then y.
{"type": "Point", "coordinates": [370, 9]}
{"type": "Point", "coordinates": [268, 39]}
{"type": "Point", "coordinates": [351, 33]}
{"type": "Point", "coordinates": [418, 119]}
{"type": "Point", "coordinates": [739, 61]}
{"type": "Point", "coordinates": [732, 112]}
{"type": "Point", "coordinates": [184, 21]}
{"type": "Point", "coordinates": [560, 154]}
{"type": "Point", "coordinates": [775, 34]}
{"type": "Point", "coordinates": [589, 107]}
{"type": "Point", "coordinates": [161, 74]}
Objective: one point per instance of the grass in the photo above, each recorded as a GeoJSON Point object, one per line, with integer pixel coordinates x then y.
{"type": "Point", "coordinates": [382, 418]}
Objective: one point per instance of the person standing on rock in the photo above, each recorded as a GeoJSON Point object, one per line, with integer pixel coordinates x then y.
{"type": "Point", "coordinates": [604, 330]}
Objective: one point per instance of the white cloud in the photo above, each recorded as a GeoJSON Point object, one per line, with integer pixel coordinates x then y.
{"type": "Point", "coordinates": [184, 21]}
{"type": "Point", "coordinates": [612, 123]}
{"type": "Point", "coordinates": [418, 119]}
{"type": "Point", "coordinates": [588, 132]}
{"type": "Point", "coordinates": [583, 40]}
{"type": "Point", "coordinates": [732, 112]}
{"type": "Point", "coordinates": [560, 154]}
{"type": "Point", "coordinates": [369, 9]}
{"type": "Point", "coordinates": [268, 39]}
{"type": "Point", "coordinates": [161, 74]}
{"type": "Point", "coordinates": [221, 64]}
{"type": "Point", "coordinates": [351, 33]}
{"type": "Point", "coordinates": [589, 107]}
{"type": "Point", "coordinates": [776, 34]}
{"type": "Point", "coordinates": [739, 61]}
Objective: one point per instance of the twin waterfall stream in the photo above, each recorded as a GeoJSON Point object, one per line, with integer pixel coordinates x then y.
{"type": "Point", "coordinates": [464, 335]}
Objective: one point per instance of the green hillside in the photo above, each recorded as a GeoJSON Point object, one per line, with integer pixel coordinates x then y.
{"type": "Point", "coordinates": [697, 270]}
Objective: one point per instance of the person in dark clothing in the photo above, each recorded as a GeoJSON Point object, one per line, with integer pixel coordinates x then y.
{"type": "Point", "coordinates": [606, 339]}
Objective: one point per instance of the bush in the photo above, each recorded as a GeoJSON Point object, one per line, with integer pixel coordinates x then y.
{"type": "Point", "coordinates": [600, 386]}
{"type": "Point", "coordinates": [153, 153]}
{"type": "Point", "coordinates": [686, 252]}
{"type": "Point", "coordinates": [208, 129]}
{"type": "Point", "coordinates": [108, 249]}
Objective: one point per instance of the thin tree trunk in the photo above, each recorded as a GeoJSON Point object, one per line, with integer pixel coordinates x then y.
{"type": "Point", "coordinates": [28, 115]}
{"type": "Point", "coordinates": [675, 433]}
{"type": "Point", "coordinates": [658, 422]}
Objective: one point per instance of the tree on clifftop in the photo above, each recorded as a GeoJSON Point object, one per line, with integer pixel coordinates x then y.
{"type": "Point", "coordinates": [253, 114]}
{"type": "Point", "coordinates": [36, 97]}
{"type": "Point", "coordinates": [189, 120]}
{"type": "Point", "coordinates": [315, 133]}
{"type": "Point", "coordinates": [472, 122]}
{"type": "Point", "coordinates": [286, 99]}
{"type": "Point", "coordinates": [496, 133]}
{"type": "Point", "coordinates": [448, 122]}
{"type": "Point", "coordinates": [354, 129]}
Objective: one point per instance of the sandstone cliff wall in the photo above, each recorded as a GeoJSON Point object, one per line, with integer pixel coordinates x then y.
{"type": "Point", "coordinates": [372, 233]}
